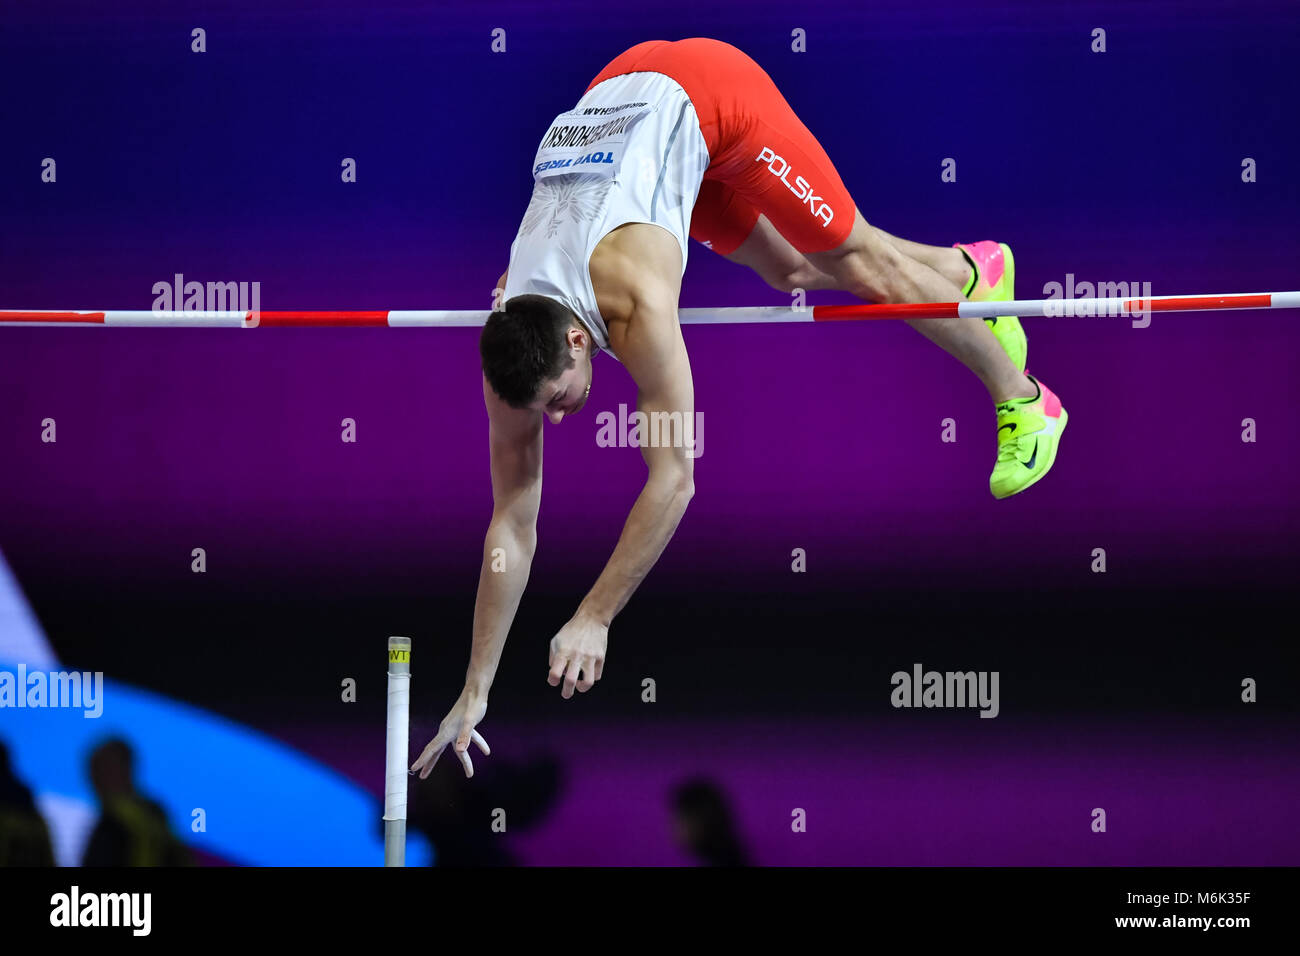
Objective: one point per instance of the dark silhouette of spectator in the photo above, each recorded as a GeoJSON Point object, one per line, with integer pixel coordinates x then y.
{"type": "Point", "coordinates": [132, 829]}
{"type": "Point", "coordinates": [456, 814]}
{"type": "Point", "coordinates": [24, 837]}
{"type": "Point", "coordinates": [703, 825]}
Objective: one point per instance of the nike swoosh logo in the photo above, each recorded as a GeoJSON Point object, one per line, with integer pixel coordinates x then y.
{"type": "Point", "coordinates": [1032, 458]}
{"type": "Point", "coordinates": [1012, 426]}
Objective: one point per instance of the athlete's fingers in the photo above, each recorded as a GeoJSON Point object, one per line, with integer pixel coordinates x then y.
{"type": "Point", "coordinates": [558, 663]}
{"type": "Point", "coordinates": [588, 676]}
{"type": "Point", "coordinates": [429, 757]}
{"type": "Point", "coordinates": [482, 744]}
{"type": "Point", "coordinates": [571, 677]}
{"type": "Point", "coordinates": [434, 746]}
{"type": "Point", "coordinates": [461, 747]}
{"type": "Point", "coordinates": [600, 667]}
{"type": "Point", "coordinates": [463, 738]}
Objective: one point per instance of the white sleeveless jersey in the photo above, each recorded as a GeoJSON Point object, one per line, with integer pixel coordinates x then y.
{"type": "Point", "coordinates": [630, 151]}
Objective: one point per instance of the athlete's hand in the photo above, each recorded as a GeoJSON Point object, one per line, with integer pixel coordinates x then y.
{"type": "Point", "coordinates": [578, 655]}
{"type": "Point", "coordinates": [457, 726]}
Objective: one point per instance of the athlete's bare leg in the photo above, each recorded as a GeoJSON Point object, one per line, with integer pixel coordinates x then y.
{"type": "Point", "coordinates": [869, 265]}
{"type": "Point", "coordinates": [947, 261]}
{"type": "Point", "coordinates": [882, 268]}
{"type": "Point", "coordinates": [783, 267]}
{"type": "Point", "coordinates": [780, 264]}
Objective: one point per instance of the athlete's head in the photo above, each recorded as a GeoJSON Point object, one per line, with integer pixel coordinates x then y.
{"type": "Point", "coordinates": [111, 767]}
{"type": "Point", "coordinates": [536, 354]}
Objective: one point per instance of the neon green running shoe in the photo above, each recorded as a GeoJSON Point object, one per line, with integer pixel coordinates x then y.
{"type": "Point", "coordinates": [994, 280]}
{"type": "Point", "coordinates": [1029, 430]}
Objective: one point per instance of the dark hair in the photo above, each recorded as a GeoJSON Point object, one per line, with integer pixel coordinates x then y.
{"type": "Point", "coordinates": [713, 832]}
{"type": "Point", "coordinates": [523, 345]}
{"type": "Point", "coordinates": [114, 750]}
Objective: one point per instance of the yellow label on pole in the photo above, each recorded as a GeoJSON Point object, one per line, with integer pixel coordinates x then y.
{"type": "Point", "coordinates": [399, 657]}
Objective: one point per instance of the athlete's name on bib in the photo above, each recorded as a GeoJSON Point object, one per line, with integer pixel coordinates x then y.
{"type": "Point", "coordinates": [569, 146]}
{"type": "Point", "coordinates": [580, 134]}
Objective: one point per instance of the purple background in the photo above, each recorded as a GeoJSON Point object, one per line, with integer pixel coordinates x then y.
{"type": "Point", "coordinates": [1116, 167]}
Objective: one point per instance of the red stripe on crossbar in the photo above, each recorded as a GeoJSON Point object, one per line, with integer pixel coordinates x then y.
{"type": "Point", "coordinates": [318, 319]}
{"type": "Point", "coordinates": [53, 317]}
{"type": "Point", "coordinates": [916, 310]}
{"type": "Point", "coordinates": [1180, 303]}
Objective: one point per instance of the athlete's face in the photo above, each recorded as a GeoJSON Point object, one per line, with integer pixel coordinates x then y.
{"type": "Point", "coordinates": [567, 393]}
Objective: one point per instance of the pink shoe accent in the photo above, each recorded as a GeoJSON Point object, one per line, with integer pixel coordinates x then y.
{"type": "Point", "coordinates": [1051, 404]}
{"type": "Point", "coordinates": [988, 257]}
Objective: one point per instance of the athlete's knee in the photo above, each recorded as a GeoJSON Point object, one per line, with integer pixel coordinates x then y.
{"type": "Point", "coordinates": [870, 266]}
{"type": "Point", "coordinates": [791, 280]}
{"type": "Point", "coordinates": [889, 282]}
{"type": "Point", "coordinates": [875, 279]}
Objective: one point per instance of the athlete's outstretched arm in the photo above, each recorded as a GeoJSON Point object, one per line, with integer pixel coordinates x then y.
{"type": "Point", "coordinates": [515, 438]}
{"type": "Point", "coordinates": [655, 355]}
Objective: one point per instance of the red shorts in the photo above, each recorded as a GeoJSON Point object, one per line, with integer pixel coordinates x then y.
{"type": "Point", "coordinates": [763, 159]}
